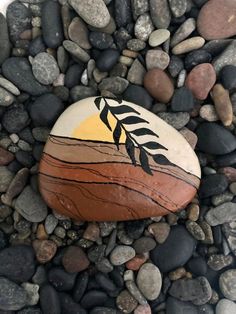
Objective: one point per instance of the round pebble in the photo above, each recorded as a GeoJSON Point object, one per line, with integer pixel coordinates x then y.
{"type": "Point", "coordinates": [158, 37]}
{"type": "Point", "coordinates": [227, 284]}
{"type": "Point", "coordinates": [121, 254]}
{"type": "Point", "coordinates": [45, 68]}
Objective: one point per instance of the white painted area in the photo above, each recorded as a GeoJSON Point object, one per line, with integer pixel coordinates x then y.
{"type": "Point", "coordinates": [3, 6]}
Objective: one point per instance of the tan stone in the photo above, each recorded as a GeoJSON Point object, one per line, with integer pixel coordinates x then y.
{"type": "Point", "coordinates": [223, 104]}
{"type": "Point", "coordinates": [188, 45]}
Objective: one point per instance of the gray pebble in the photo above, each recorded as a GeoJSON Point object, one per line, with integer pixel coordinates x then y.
{"type": "Point", "coordinates": [160, 13]}
{"type": "Point", "coordinates": [227, 284]}
{"type": "Point", "coordinates": [116, 85]}
{"type": "Point", "coordinates": [40, 133]}
{"type": "Point", "coordinates": [139, 7]}
{"type": "Point", "coordinates": [78, 33]}
{"type": "Point", "coordinates": [32, 291]}
{"type": "Point", "coordinates": [76, 51]}
{"type": "Point", "coordinates": [9, 86]}
{"type": "Point", "coordinates": [6, 177]}
{"type": "Point", "coordinates": [80, 92]}
{"type": "Point", "coordinates": [143, 27]}
{"type": "Point", "coordinates": [222, 198]}
{"type": "Point", "coordinates": [136, 73]}
{"type": "Point", "coordinates": [4, 40]}
{"type": "Point", "coordinates": [220, 261]}
{"type": "Point", "coordinates": [136, 44]}
{"type": "Point", "coordinates": [227, 57]}
{"type": "Point", "coordinates": [178, 7]}
{"type": "Point", "coordinates": [6, 98]}
{"type": "Point", "coordinates": [183, 31]}
{"type": "Point", "coordinates": [195, 230]}
{"type": "Point", "coordinates": [50, 223]}
{"type": "Point", "coordinates": [157, 59]}
{"type": "Point", "coordinates": [221, 214]}
{"type": "Point", "coordinates": [121, 254]}
{"type": "Point", "coordinates": [135, 292]}
{"type": "Point", "coordinates": [225, 306]}
{"type": "Point", "coordinates": [178, 120]}
{"type": "Point", "coordinates": [158, 37]}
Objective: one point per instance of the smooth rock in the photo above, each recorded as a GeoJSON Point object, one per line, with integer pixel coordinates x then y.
{"type": "Point", "coordinates": [219, 261]}
{"type": "Point", "coordinates": [221, 214]}
{"type": "Point", "coordinates": [80, 92]}
{"type": "Point", "coordinates": [227, 283]}
{"type": "Point", "coordinates": [139, 7]}
{"type": "Point", "coordinates": [149, 281]}
{"type": "Point", "coordinates": [136, 44]}
{"type": "Point", "coordinates": [65, 200]}
{"type": "Point", "coordinates": [121, 254]}
{"type": "Point", "coordinates": [196, 57]}
{"type": "Point", "coordinates": [45, 68]}
{"type": "Point", "coordinates": [93, 12]}
{"type": "Point", "coordinates": [4, 40]}
{"type": "Point", "coordinates": [6, 98]}
{"type": "Point", "coordinates": [160, 13]}
{"type": "Point", "coordinates": [136, 73]}
{"type": "Point", "coordinates": [73, 75]}
{"type": "Point", "coordinates": [93, 298]}
{"type": "Point", "coordinates": [219, 140]}
{"type": "Point", "coordinates": [159, 85]}
{"type": "Point", "coordinates": [44, 250]}
{"type": "Point", "coordinates": [143, 27]}
{"type": "Point", "coordinates": [5, 157]}
{"type": "Point", "coordinates": [52, 24]}
{"type": "Point", "coordinates": [144, 244]}
{"type": "Point", "coordinates": [223, 104]}
{"type": "Point", "coordinates": [12, 296]}
{"type": "Point", "coordinates": [183, 32]}
{"type": "Point", "coordinates": [182, 100]}
{"type": "Point", "coordinates": [138, 95]}
{"type": "Point", "coordinates": [225, 306]}
{"type": "Point", "coordinates": [49, 300]}
{"type": "Point", "coordinates": [122, 12]}
{"type": "Point", "coordinates": [201, 80]}
{"type": "Point", "coordinates": [178, 7]}
{"type": "Point", "coordinates": [216, 20]}
{"type": "Point", "coordinates": [107, 60]}
{"type": "Point", "coordinates": [60, 279]}
{"type": "Point", "coordinates": [126, 302]}
{"type": "Point", "coordinates": [116, 85]}
{"type": "Point", "coordinates": [175, 251]}
{"type": "Point", "coordinates": [227, 76]}
{"type": "Point", "coordinates": [36, 46]}
{"type": "Point", "coordinates": [213, 184]}
{"type": "Point", "coordinates": [158, 37]}
{"type": "Point", "coordinates": [176, 119]}
{"type": "Point", "coordinates": [78, 33]}
{"type": "Point", "coordinates": [7, 85]}
{"type": "Point", "coordinates": [100, 40]}
{"type": "Point", "coordinates": [208, 113]}
{"type": "Point", "coordinates": [157, 59]}
{"type": "Point", "coordinates": [176, 65]}
{"type": "Point", "coordinates": [227, 57]}
{"type": "Point", "coordinates": [18, 71]}
{"type": "Point", "coordinates": [69, 305]}
{"type": "Point", "coordinates": [76, 51]}
{"type": "Point", "coordinates": [74, 260]}
{"type": "Point", "coordinates": [31, 206]}
{"type": "Point", "coordinates": [6, 177]}
{"type": "Point", "coordinates": [188, 45]}
{"type": "Point", "coordinates": [174, 306]}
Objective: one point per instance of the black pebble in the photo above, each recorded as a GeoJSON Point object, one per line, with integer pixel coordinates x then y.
{"type": "Point", "coordinates": [38, 151]}
{"type": "Point", "coordinates": [122, 12]}
{"type": "Point", "coordinates": [15, 119]}
{"type": "Point", "coordinates": [52, 24]}
{"type": "Point", "coordinates": [36, 46]}
{"type": "Point", "coordinates": [93, 298]}
{"type": "Point", "coordinates": [197, 266]}
{"type": "Point", "coordinates": [49, 300]}
{"type": "Point", "coordinates": [80, 286]}
{"type": "Point", "coordinates": [213, 184]}
{"type": "Point", "coordinates": [68, 305]}
{"type": "Point", "coordinates": [15, 166]}
{"type": "Point", "coordinates": [60, 279]}
{"type": "Point", "coordinates": [138, 95]}
{"type": "Point", "coordinates": [100, 40]}
{"type": "Point", "coordinates": [26, 135]}
{"type": "Point", "coordinates": [4, 40]}
{"type": "Point", "coordinates": [175, 66]}
{"type": "Point", "coordinates": [121, 37]}
{"type": "Point", "coordinates": [226, 160]}
{"type": "Point", "coordinates": [134, 229]}
{"type": "Point", "coordinates": [107, 60]}
{"type": "Point", "coordinates": [46, 109]}
{"type": "Point", "coordinates": [217, 234]}
{"type": "Point", "coordinates": [3, 240]}
{"type": "Point", "coordinates": [174, 306]}
{"type": "Point", "coordinates": [25, 158]}
{"type": "Point", "coordinates": [73, 75]}
{"type": "Point", "coordinates": [196, 57]}
{"type": "Point", "coordinates": [105, 282]}
{"type": "Point", "coordinates": [228, 76]}
{"type": "Point", "coordinates": [182, 100]}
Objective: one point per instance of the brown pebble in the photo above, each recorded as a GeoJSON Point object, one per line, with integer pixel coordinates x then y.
{"type": "Point", "coordinates": [190, 137]}
{"type": "Point", "coordinates": [45, 250]}
{"type": "Point", "coordinates": [75, 260]}
{"type": "Point", "coordinates": [223, 104]}
{"type": "Point", "coordinates": [126, 302]}
{"type": "Point", "coordinates": [5, 157]}
{"type": "Point", "coordinates": [177, 274]}
{"type": "Point", "coordinates": [78, 33]}
{"type": "Point", "coordinates": [136, 262]}
{"type": "Point", "coordinates": [92, 232]}
{"type": "Point", "coordinates": [193, 211]}
{"type": "Point", "coordinates": [201, 80]}
{"type": "Point", "coordinates": [160, 231]}
{"type": "Point", "coordinates": [27, 34]}
{"type": "Point", "coordinates": [229, 172]}
{"type": "Point", "coordinates": [130, 53]}
{"type": "Point", "coordinates": [159, 85]}
{"type": "Point", "coordinates": [41, 232]}
{"type": "Point", "coordinates": [188, 45]}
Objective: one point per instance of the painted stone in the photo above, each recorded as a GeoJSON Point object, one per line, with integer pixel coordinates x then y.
{"type": "Point", "coordinates": [108, 160]}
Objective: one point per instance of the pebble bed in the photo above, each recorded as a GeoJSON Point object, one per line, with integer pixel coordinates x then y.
{"type": "Point", "coordinates": [176, 58]}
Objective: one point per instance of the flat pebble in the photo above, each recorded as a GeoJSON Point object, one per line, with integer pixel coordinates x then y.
{"type": "Point", "coordinates": [45, 68]}
{"type": "Point", "coordinates": [176, 119]}
{"type": "Point", "coordinates": [93, 12]}
{"type": "Point", "coordinates": [223, 104]}
{"type": "Point", "coordinates": [93, 298]}
{"type": "Point", "coordinates": [225, 306]}
{"type": "Point", "coordinates": [158, 37]}
{"type": "Point", "coordinates": [9, 86]}
{"type": "Point", "coordinates": [76, 51]}
{"type": "Point", "coordinates": [157, 59]}
{"type": "Point", "coordinates": [221, 214]}
{"type": "Point", "coordinates": [135, 292]}
{"type": "Point", "coordinates": [196, 57]}
{"type": "Point", "coordinates": [78, 33]}
{"type": "Point", "coordinates": [149, 281]}
{"type": "Point", "coordinates": [107, 60]}
{"type": "Point", "coordinates": [143, 27]}
{"type": "Point", "coordinates": [188, 45]}
{"type": "Point", "coordinates": [121, 254]}
{"type": "Point", "coordinates": [208, 113]}
{"type": "Point", "coordinates": [126, 302]}
{"type": "Point", "coordinates": [183, 32]}
{"type": "Point", "coordinates": [227, 283]}
{"type": "Point", "coordinates": [6, 98]}
{"type": "Point", "coordinates": [160, 13]}
{"type": "Point", "coordinates": [195, 230]}
{"type": "Point", "coordinates": [100, 40]}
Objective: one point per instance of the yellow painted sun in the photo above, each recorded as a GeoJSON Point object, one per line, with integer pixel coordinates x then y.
{"type": "Point", "coordinates": [94, 129]}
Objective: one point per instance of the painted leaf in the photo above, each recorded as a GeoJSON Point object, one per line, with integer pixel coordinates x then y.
{"type": "Point", "coordinates": [97, 102]}
{"type": "Point", "coordinates": [103, 117]}
{"type": "Point", "coordinates": [153, 145]}
{"type": "Point", "coordinates": [133, 120]}
{"type": "Point", "coordinates": [144, 131]}
{"type": "Point", "coordinates": [144, 161]}
{"type": "Point", "coordinates": [161, 159]}
{"type": "Point", "coordinates": [129, 145]}
{"type": "Point", "coordinates": [117, 134]}
{"type": "Point", "coordinates": [123, 109]}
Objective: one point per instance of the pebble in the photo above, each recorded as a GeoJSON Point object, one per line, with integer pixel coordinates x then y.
{"type": "Point", "coordinates": [4, 40]}
{"type": "Point", "coordinates": [175, 251]}
{"type": "Point", "coordinates": [107, 60]}
{"type": "Point", "coordinates": [216, 20]}
{"type": "Point", "coordinates": [116, 85]}
{"type": "Point", "coordinates": [176, 119]}
{"type": "Point", "coordinates": [121, 254]}
{"type": "Point", "coordinates": [73, 75]}
{"type": "Point", "coordinates": [6, 98]}
{"type": "Point", "coordinates": [144, 244]}
{"type": "Point", "coordinates": [126, 302]}
{"type": "Point", "coordinates": [158, 37]}
{"type": "Point", "coordinates": [157, 59]}
{"type": "Point", "coordinates": [178, 7]}
{"type": "Point", "coordinates": [78, 33]}
{"type": "Point", "coordinates": [182, 100]}
{"type": "Point", "coordinates": [219, 140]}
{"type": "Point", "coordinates": [52, 24]}
{"type": "Point", "coordinates": [149, 281]}
{"type": "Point", "coordinates": [225, 306]}
{"type": "Point", "coordinates": [13, 297]}
{"type": "Point", "coordinates": [159, 85]}
{"type": "Point", "coordinates": [138, 95]}
{"type": "Point", "coordinates": [88, 11]}
{"type": "Point", "coordinates": [195, 230]}
{"type": "Point", "coordinates": [183, 32]}
{"type": "Point", "coordinates": [100, 40]}
{"type": "Point", "coordinates": [74, 260]}
{"type": "Point", "coordinates": [160, 230]}
{"type": "Point", "coordinates": [31, 206]}
{"type": "Point", "coordinates": [176, 65]}
{"type": "Point", "coordinates": [188, 45]}
{"type": "Point", "coordinates": [177, 274]}
{"type": "Point", "coordinates": [44, 250]}
{"type": "Point", "coordinates": [196, 57]}
{"type": "Point", "coordinates": [36, 46]}
{"type": "Point", "coordinates": [143, 309]}
{"type": "Point", "coordinates": [227, 76]}
{"type": "Point", "coordinates": [220, 261]}
{"type": "Point", "coordinates": [49, 300]}
{"type": "Point", "coordinates": [18, 71]}
{"type": "Point", "coordinates": [190, 137]}
{"type": "Point", "coordinates": [160, 13]}
{"type": "Point", "coordinates": [143, 27]}
{"type": "Point", "coordinates": [136, 262]}
{"type": "Point", "coordinates": [227, 57]}
{"type": "Point", "coordinates": [9, 86]}
{"type": "Point", "coordinates": [208, 113]}
{"type": "Point", "coordinates": [18, 19]}
{"type": "Point", "coordinates": [122, 12]}
{"type": "Point", "coordinates": [32, 293]}
{"type": "Point", "coordinates": [212, 185]}
{"type": "Point", "coordinates": [15, 119]}
{"type": "Point", "coordinates": [223, 104]}
{"type": "Point", "coordinates": [136, 73]}
{"type": "Point", "coordinates": [198, 290]}
{"type": "Point", "coordinates": [6, 177]}
{"type": "Point", "coordinates": [39, 112]}
{"type": "Point", "coordinates": [80, 92]}
{"type": "Point", "coordinates": [139, 7]}
{"type": "Point", "coordinates": [60, 279]}
{"type": "Point", "coordinates": [5, 157]}
{"type": "Point", "coordinates": [93, 298]}
{"type": "Point", "coordinates": [135, 292]}
{"type": "Point", "coordinates": [174, 306]}
{"type": "Point", "coordinates": [76, 51]}
{"type": "Point", "coordinates": [201, 80]}
{"type": "Point", "coordinates": [136, 44]}
{"type": "Point", "coordinates": [227, 283]}
{"type": "Point", "coordinates": [221, 214]}
{"type": "Point", "coordinates": [17, 263]}
{"type": "Point", "coordinates": [181, 78]}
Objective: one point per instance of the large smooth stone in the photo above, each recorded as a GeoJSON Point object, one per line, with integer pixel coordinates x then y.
{"type": "Point", "coordinates": [110, 160]}
{"type": "Point", "coordinates": [217, 19]}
